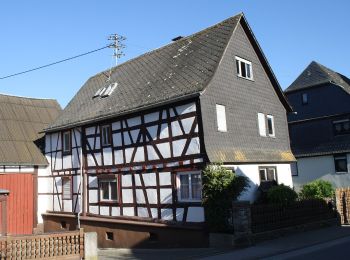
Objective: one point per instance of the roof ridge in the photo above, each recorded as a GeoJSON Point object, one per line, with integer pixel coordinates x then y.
{"type": "Point", "coordinates": [23, 97]}
{"type": "Point", "coordinates": [167, 45]}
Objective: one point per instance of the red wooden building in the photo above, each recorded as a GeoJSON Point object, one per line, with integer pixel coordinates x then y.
{"type": "Point", "coordinates": [21, 158]}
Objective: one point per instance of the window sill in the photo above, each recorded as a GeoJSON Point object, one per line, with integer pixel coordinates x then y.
{"type": "Point", "coordinates": [252, 79]}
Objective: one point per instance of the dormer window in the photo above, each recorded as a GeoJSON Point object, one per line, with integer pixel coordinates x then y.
{"type": "Point", "coordinates": [304, 98]}
{"type": "Point", "coordinates": [244, 68]}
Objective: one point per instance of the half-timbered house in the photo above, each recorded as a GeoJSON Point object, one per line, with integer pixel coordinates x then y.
{"type": "Point", "coordinates": [127, 152]}
{"type": "Point", "coordinates": [22, 158]}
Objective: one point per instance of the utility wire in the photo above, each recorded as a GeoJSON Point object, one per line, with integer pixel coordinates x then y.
{"type": "Point", "coordinates": [57, 62]}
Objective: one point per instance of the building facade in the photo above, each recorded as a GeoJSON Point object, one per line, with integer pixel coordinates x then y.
{"type": "Point", "coordinates": [127, 153]}
{"type": "Point", "coordinates": [320, 129]}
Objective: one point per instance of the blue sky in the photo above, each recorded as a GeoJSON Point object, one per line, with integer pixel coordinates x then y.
{"type": "Point", "coordinates": [291, 33]}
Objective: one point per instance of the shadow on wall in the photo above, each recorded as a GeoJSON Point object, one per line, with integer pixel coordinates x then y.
{"type": "Point", "coordinates": [251, 193]}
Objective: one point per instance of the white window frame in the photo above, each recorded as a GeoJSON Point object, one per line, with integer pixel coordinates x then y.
{"type": "Point", "coordinates": [109, 137]}
{"type": "Point", "coordinates": [265, 169]}
{"type": "Point", "coordinates": [221, 118]}
{"type": "Point", "coordinates": [64, 148]}
{"type": "Point", "coordinates": [239, 62]}
{"type": "Point", "coordinates": [190, 199]}
{"type": "Point", "coordinates": [262, 124]}
{"type": "Point", "coordinates": [341, 157]}
{"type": "Point", "coordinates": [108, 180]}
{"type": "Point", "coordinates": [273, 134]}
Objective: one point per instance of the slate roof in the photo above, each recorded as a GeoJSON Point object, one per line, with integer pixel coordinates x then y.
{"type": "Point", "coordinates": [317, 74]}
{"type": "Point", "coordinates": [177, 71]}
{"type": "Point", "coordinates": [21, 120]}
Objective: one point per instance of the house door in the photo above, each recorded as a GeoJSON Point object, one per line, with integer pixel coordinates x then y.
{"type": "Point", "coordinates": [20, 202]}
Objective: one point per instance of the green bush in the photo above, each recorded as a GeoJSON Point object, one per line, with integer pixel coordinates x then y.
{"type": "Point", "coordinates": [220, 187]}
{"type": "Point", "coordinates": [318, 189]}
{"type": "Point", "coordinates": [281, 194]}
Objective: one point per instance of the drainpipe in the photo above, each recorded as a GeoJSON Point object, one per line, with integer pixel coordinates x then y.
{"type": "Point", "coordinates": [81, 179]}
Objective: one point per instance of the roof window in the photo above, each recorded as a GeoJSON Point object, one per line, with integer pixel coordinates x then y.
{"type": "Point", "coordinates": [106, 91]}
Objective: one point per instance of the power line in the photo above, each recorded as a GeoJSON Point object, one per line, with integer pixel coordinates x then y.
{"type": "Point", "coordinates": [56, 62]}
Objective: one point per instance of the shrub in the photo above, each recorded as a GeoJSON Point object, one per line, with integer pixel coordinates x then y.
{"type": "Point", "coordinates": [318, 189]}
{"type": "Point", "coordinates": [282, 195]}
{"type": "Point", "coordinates": [220, 187]}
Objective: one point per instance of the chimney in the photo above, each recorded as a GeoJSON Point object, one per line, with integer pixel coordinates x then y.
{"type": "Point", "coordinates": [177, 38]}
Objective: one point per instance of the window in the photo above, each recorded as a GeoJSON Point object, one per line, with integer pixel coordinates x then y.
{"type": "Point", "coordinates": [105, 91]}
{"type": "Point", "coordinates": [304, 98]}
{"type": "Point", "coordinates": [66, 188]}
{"type": "Point", "coordinates": [268, 173]}
{"type": "Point", "coordinates": [262, 124]}
{"type": "Point", "coordinates": [244, 68]}
{"type": "Point", "coordinates": [108, 189]}
{"type": "Point", "coordinates": [341, 163]}
{"type": "Point", "coordinates": [190, 186]}
{"type": "Point", "coordinates": [341, 127]}
{"type": "Point", "coordinates": [221, 118]}
{"type": "Point", "coordinates": [270, 125]}
{"type": "Point", "coordinates": [66, 142]}
{"type": "Point", "coordinates": [106, 135]}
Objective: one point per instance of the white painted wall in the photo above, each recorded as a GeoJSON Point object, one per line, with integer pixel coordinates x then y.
{"type": "Point", "coordinates": [45, 185]}
{"type": "Point", "coordinates": [320, 167]}
{"type": "Point", "coordinates": [251, 171]}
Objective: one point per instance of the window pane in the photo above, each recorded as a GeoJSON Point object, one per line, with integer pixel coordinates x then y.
{"type": "Point", "coordinates": [262, 174]}
{"type": "Point", "coordinates": [66, 141]}
{"type": "Point", "coordinates": [269, 125]}
{"type": "Point", "coordinates": [341, 164]}
{"type": "Point", "coordinates": [304, 98]}
{"type": "Point", "coordinates": [237, 66]}
{"type": "Point", "coordinates": [271, 176]}
{"type": "Point", "coordinates": [243, 70]}
{"type": "Point", "coordinates": [113, 187]}
{"type": "Point", "coordinates": [104, 187]}
{"type": "Point", "coordinates": [184, 187]}
{"type": "Point", "coordinates": [66, 188]}
{"type": "Point", "coordinates": [106, 135]}
{"type": "Point", "coordinates": [248, 70]}
{"type": "Point", "coordinates": [196, 185]}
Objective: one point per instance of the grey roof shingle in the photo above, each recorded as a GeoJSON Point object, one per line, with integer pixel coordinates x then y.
{"type": "Point", "coordinates": [316, 74]}
{"type": "Point", "coordinates": [175, 71]}
{"type": "Point", "coordinates": [21, 120]}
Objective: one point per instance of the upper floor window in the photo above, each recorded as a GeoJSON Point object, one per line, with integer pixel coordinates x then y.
{"type": "Point", "coordinates": [270, 125]}
{"type": "Point", "coordinates": [221, 118]}
{"type": "Point", "coordinates": [106, 135]}
{"type": "Point", "coordinates": [244, 68]}
{"type": "Point", "coordinates": [304, 98]}
{"type": "Point", "coordinates": [67, 144]}
{"type": "Point", "coordinates": [190, 186]}
{"type": "Point", "coordinates": [268, 173]}
{"type": "Point", "coordinates": [341, 163]}
{"type": "Point", "coordinates": [66, 188]}
{"type": "Point", "coordinates": [341, 127]}
{"type": "Point", "coordinates": [108, 189]}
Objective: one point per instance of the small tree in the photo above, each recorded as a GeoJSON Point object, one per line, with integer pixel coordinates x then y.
{"type": "Point", "coordinates": [282, 195]}
{"type": "Point", "coordinates": [220, 187]}
{"type": "Point", "coordinates": [318, 189]}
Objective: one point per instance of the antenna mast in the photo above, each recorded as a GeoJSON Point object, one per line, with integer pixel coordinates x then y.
{"type": "Point", "coordinates": [117, 45]}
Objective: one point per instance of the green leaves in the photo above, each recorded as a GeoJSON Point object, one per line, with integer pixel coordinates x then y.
{"type": "Point", "coordinates": [318, 189]}
{"type": "Point", "coordinates": [282, 195]}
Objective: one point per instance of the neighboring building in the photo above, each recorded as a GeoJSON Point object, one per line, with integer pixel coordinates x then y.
{"type": "Point", "coordinates": [320, 131]}
{"type": "Point", "coordinates": [148, 132]}
{"type": "Point", "coordinates": [21, 160]}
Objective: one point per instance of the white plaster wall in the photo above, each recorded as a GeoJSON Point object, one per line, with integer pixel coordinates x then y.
{"type": "Point", "coordinates": [251, 171]}
{"type": "Point", "coordinates": [45, 185]}
{"type": "Point", "coordinates": [320, 167]}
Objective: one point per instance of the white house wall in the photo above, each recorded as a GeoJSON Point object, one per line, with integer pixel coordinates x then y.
{"type": "Point", "coordinates": [320, 167]}
{"type": "Point", "coordinates": [251, 171]}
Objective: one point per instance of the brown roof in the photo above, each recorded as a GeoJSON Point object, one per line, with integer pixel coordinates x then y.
{"type": "Point", "coordinates": [21, 120]}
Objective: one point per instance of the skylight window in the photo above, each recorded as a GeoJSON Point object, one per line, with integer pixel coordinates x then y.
{"type": "Point", "coordinates": [106, 91]}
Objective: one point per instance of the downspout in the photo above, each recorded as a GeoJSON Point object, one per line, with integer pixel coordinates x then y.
{"type": "Point", "coordinates": [81, 179]}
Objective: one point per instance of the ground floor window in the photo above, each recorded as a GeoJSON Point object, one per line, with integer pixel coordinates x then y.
{"type": "Point", "coordinates": [341, 163]}
{"type": "Point", "coordinates": [189, 186]}
{"type": "Point", "coordinates": [268, 173]}
{"type": "Point", "coordinates": [108, 189]}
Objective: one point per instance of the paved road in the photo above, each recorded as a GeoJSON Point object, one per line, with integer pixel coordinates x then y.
{"type": "Point", "coordinates": [336, 250]}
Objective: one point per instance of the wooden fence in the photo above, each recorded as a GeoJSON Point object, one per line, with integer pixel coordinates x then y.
{"type": "Point", "coordinates": [67, 245]}
{"type": "Point", "coordinates": [270, 217]}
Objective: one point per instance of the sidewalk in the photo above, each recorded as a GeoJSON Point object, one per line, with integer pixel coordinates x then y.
{"type": "Point", "coordinates": [261, 250]}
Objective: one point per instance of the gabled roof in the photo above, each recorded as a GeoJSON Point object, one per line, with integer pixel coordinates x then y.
{"type": "Point", "coordinates": [21, 120]}
{"type": "Point", "coordinates": [177, 71]}
{"type": "Point", "coordinates": [316, 74]}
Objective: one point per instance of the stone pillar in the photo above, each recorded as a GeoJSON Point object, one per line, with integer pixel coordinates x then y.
{"type": "Point", "coordinates": [90, 246]}
{"type": "Point", "coordinates": [241, 215]}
